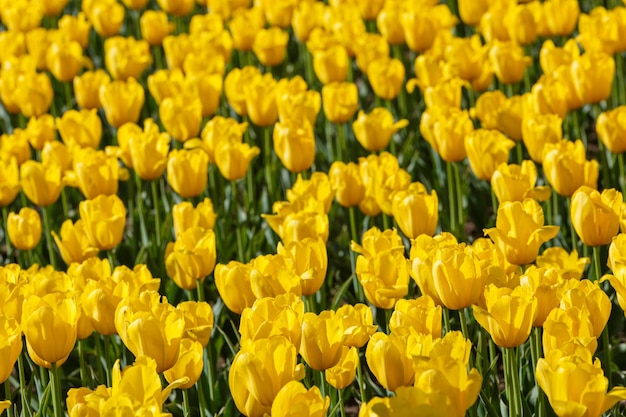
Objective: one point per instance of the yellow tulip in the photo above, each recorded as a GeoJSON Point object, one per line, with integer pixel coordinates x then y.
{"type": "Point", "coordinates": [150, 326]}
{"type": "Point", "coordinates": [104, 219]}
{"type": "Point", "coordinates": [106, 17]}
{"type": "Point", "coordinates": [50, 325]}
{"type": "Point", "coordinates": [445, 131]}
{"type": "Point", "coordinates": [294, 400]}
{"type": "Point", "coordinates": [15, 145]}
{"type": "Point", "coordinates": [471, 11]}
{"type": "Point", "coordinates": [347, 183]}
{"type": "Point", "coordinates": [310, 261]}
{"type": "Point", "coordinates": [34, 94]}
{"type": "Point", "coordinates": [87, 87]}
{"type": "Point", "coordinates": [188, 365]}
{"type": "Point", "coordinates": [416, 211]}
{"type": "Point", "coordinates": [199, 321]}
{"type": "Point", "coordinates": [234, 84]}
{"type": "Point", "coordinates": [24, 229]}
{"type": "Point", "coordinates": [273, 316]}
{"type": "Point", "coordinates": [41, 183]}
{"type": "Point", "coordinates": [73, 244]}
{"type": "Point", "coordinates": [357, 322]}
{"type": "Point", "coordinates": [187, 171]}
{"type": "Point", "coordinates": [544, 283]}
{"type": "Point", "coordinates": [590, 86]}
{"type": "Point", "coordinates": [273, 275]}
{"type": "Point", "coordinates": [419, 27]}
{"type": "Point", "coordinates": [566, 167]}
{"type": "Point", "coordinates": [386, 77]}
{"type": "Point", "coordinates": [191, 258]}
{"type": "Point", "coordinates": [317, 187]}
{"type": "Point", "coordinates": [342, 375]}
{"type": "Point", "coordinates": [81, 129]}
{"type": "Point", "coordinates": [233, 284]}
{"type": "Point", "coordinates": [64, 59]}
{"type": "Point", "coordinates": [10, 347]}
{"type": "Point", "coordinates": [370, 47]}
{"type": "Point", "coordinates": [374, 130]}
{"type": "Point", "coordinates": [77, 27]}
{"type": "Point", "coordinates": [561, 16]}
{"type": "Point", "coordinates": [595, 216]}
{"type": "Point", "coordinates": [10, 185]}
{"type": "Point", "coordinates": [387, 22]}
{"type": "Point", "coordinates": [40, 130]}
{"type": "Point", "coordinates": [568, 330]}
{"type": "Point", "coordinates": [420, 315]}
{"type": "Point", "coordinates": [294, 143]}
{"type": "Point", "coordinates": [244, 26]}
{"type": "Point", "coordinates": [186, 216]}
{"type": "Point", "coordinates": [340, 100]}
{"type": "Point", "coordinates": [270, 46]}
{"type": "Point", "coordinates": [176, 8]}
{"type": "Point", "coordinates": [94, 173]}
{"type": "Point", "coordinates": [260, 98]}
{"type": "Point", "coordinates": [263, 376]}
{"type": "Point", "coordinates": [521, 25]}
{"type": "Point", "coordinates": [155, 26]}
{"type": "Point", "coordinates": [508, 314]}
{"type": "Point", "coordinates": [590, 299]}
{"type": "Point", "coordinates": [331, 65]}
{"type": "Point", "coordinates": [320, 345]}
{"type": "Point", "coordinates": [181, 116]}
{"type": "Point", "coordinates": [389, 361]}
{"type": "Point", "coordinates": [538, 130]}
{"type": "Point", "coordinates": [568, 265]}
{"type": "Point", "coordinates": [297, 105]}
{"type": "Point", "coordinates": [509, 62]}
{"type": "Point", "coordinates": [516, 182]}
{"type": "Point", "coordinates": [126, 57]}
{"type": "Point", "coordinates": [611, 129]}
{"type": "Point", "coordinates": [486, 149]}
{"type": "Point", "coordinates": [384, 277]}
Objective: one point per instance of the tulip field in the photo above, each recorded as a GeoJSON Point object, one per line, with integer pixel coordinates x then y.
{"type": "Point", "coordinates": [331, 208]}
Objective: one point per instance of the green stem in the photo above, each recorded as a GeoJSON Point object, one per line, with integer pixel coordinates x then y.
{"type": "Point", "coordinates": [322, 383]}
{"type": "Point", "coordinates": [56, 388]}
{"type": "Point", "coordinates": [7, 395]}
{"type": "Point", "coordinates": [186, 406]}
{"type": "Point", "coordinates": [5, 218]}
{"type": "Point", "coordinates": [451, 200]}
{"type": "Point", "coordinates": [111, 258]}
{"type": "Point", "coordinates": [465, 330]}
{"type": "Point", "coordinates": [200, 288]}
{"type": "Point", "coordinates": [48, 229]}
{"type": "Point", "coordinates": [107, 359]}
{"type": "Point", "coordinates": [341, 141]}
{"type": "Point", "coordinates": [572, 231]}
{"type": "Point", "coordinates": [520, 152]}
{"type": "Point", "coordinates": [83, 366]}
{"type": "Point", "coordinates": [358, 290]}
{"type": "Point", "coordinates": [267, 141]}
{"type": "Point", "coordinates": [512, 380]}
{"type": "Point", "coordinates": [142, 219]}
{"type": "Point", "coordinates": [342, 410]}
{"type": "Point", "coordinates": [359, 374]}
{"type": "Point", "coordinates": [23, 388]}
{"type": "Point", "coordinates": [67, 87]}
{"type": "Point", "coordinates": [446, 320]}
{"type": "Point", "coordinates": [622, 178]}
{"type": "Point", "coordinates": [157, 215]}
{"type": "Point", "coordinates": [235, 208]}
{"type": "Point", "coordinates": [536, 353]}
{"type": "Point", "coordinates": [607, 356]}
{"type": "Point", "coordinates": [459, 196]}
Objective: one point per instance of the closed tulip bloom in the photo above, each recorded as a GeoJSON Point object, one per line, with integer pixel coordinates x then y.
{"type": "Point", "coordinates": [486, 150]}
{"type": "Point", "coordinates": [576, 385]}
{"type": "Point", "coordinates": [126, 57]}
{"type": "Point", "coordinates": [519, 230]}
{"type": "Point", "coordinates": [260, 98]}
{"type": "Point", "coordinates": [320, 345]}
{"type": "Point", "coordinates": [24, 229]}
{"type": "Point", "coordinates": [299, 105]}
{"type": "Point", "coordinates": [76, 27]}
{"type": "Point", "coordinates": [374, 130]}
{"type": "Point", "coordinates": [273, 316]}
{"type": "Point", "coordinates": [221, 129]}
{"type": "Point", "coordinates": [64, 59]}
{"type": "Point", "coordinates": [342, 375]}
{"type": "Point", "coordinates": [370, 47]}
{"type": "Point", "coordinates": [186, 216]}
{"type": "Point", "coordinates": [263, 375]}
{"type": "Point", "coordinates": [509, 62]}
{"type": "Point", "coordinates": [187, 171]}
{"type": "Point", "coordinates": [516, 182]}
{"type": "Point", "coordinates": [10, 184]}
{"type": "Point", "coordinates": [234, 84]}
{"type": "Point", "coordinates": [94, 173]}
{"type": "Point", "coordinates": [611, 129]}
{"type": "Point", "coordinates": [148, 151]}
{"type": "Point", "coordinates": [41, 183]}
{"type": "Point", "coordinates": [80, 128]}
{"type": "Point", "coordinates": [331, 65]}
{"type": "Point", "coordinates": [104, 218]}
{"type": "Point", "coordinates": [310, 261]}
{"type": "Point", "coordinates": [357, 323]}
{"type": "Point", "coordinates": [233, 284]}
{"type": "Point", "coordinates": [191, 258]}
{"type": "Point", "coordinates": [416, 211]}
{"type": "Point", "coordinates": [122, 101]}
{"type": "Point", "coordinates": [420, 315]}
{"type": "Point", "coordinates": [87, 88]}
{"type": "Point", "coordinates": [150, 326]}
{"type": "Point", "coordinates": [270, 46]}
{"type": "Point", "coordinates": [274, 275]}
{"type": "Point", "coordinates": [316, 188]}
{"type": "Point", "coordinates": [590, 298]}
{"type": "Point", "coordinates": [521, 25]}
{"type": "Point", "coordinates": [135, 4]}
{"type": "Point", "coordinates": [176, 8]}
{"type": "Point", "coordinates": [181, 116]}
{"type": "Point", "coordinates": [566, 167]}
{"type": "Point", "coordinates": [508, 314]}
{"type": "Point", "coordinates": [445, 130]}
{"type": "Point", "coordinates": [569, 330]}
{"type": "Point", "coordinates": [34, 94]}
{"type": "Point", "coordinates": [419, 27]}
{"type": "Point", "coordinates": [294, 143]}
{"type": "Point", "coordinates": [294, 400]}
{"type": "Point", "coordinates": [72, 243]}
{"type": "Point", "coordinates": [106, 17]}
{"type": "Point", "coordinates": [384, 277]}
{"type": "Point", "coordinates": [561, 16]}
{"type": "Point", "coordinates": [40, 130]}
{"type": "Point", "coordinates": [347, 183]}
{"type": "Point", "coordinates": [199, 321]}
{"type": "Point", "coordinates": [487, 108]}
{"type": "Point", "coordinates": [539, 129]}
{"type": "Point", "coordinates": [492, 25]}
{"type": "Point", "coordinates": [595, 216]}
{"type": "Point", "coordinates": [340, 100]}
{"type": "Point", "coordinates": [471, 11]}
{"type": "Point", "coordinates": [590, 86]}
{"type": "Point", "coordinates": [155, 26]}
{"type": "Point", "coordinates": [386, 77]}
{"type": "Point", "coordinates": [16, 146]}
{"type": "Point", "coordinates": [244, 26]}
{"type": "Point", "coordinates": [188, 365]}
{"type": "Point", "coordinates": [389, 361]}
{"type": "Point", "coordinates": [50, 325]}
{"type": "Point", "coordinates": [510, 116]}
{"type": "Point", "coordinates": [10, 346]}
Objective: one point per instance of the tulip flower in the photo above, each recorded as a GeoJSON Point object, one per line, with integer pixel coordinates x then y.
{"type": "Point", "coordinates": [387, 23]}
{"type": "Point", "coordinates": [187, 171]}
{"type": "Point", "coordinates": [263, 375]}
{"type": "Point", "coordinates": [150, 326]}
{"type": "Point", "coordinates": [521, 25]}
{"type": "Point", "coordinates": [80, 128]}
{"type": "Point", "coordinates": [294, 400]}
{"type": "Point", "coordinates": [419, 26]}
{"type": "Point", "coordinates": [10, 185]}
{"type": "Point", "coordinates": [508, 314]}
{"type": "Point", "coordinates": [122, 101]}
{"type": "Point", "coordinates": [294, 143]}
{"type": "Point", "coordinates": [386, 77]}
{"type": "Point", "coordinates": [126, 57]}
{"type": "Point", "coordinates": [310, 260]}
{"type": "Point", "coordinates": [509, 62]}
{"type": "Point", "coordinates": [298, 105]}
{"type": "Point", "coordinates": [221, 129]}
{"type": "Point", "coordinates": [181, 116]}
{"type": "Point", "coordinates": [487, 107]}
{"type": "Point", "coordinates": [233, 284]}
{"type": "Point", "coordinates": [384, 277]}
{"type": "Point", "coordinates": [176, 8]}
{"type": "Point", "coordinates": [40, 130]}
{"type": "Point", "coordinates": [186, 216]}
{"type": "Point", "coordinates": [191, 258]}
{"type": "Point", "coordinates": [24, 229]}
{"type": "Point", "coordinates": [320, 345]}
{"type": "Point", "coordinates": [331, 65]}
{"type": "Point", "coordinates": [233, 159]}
{"type": "Point", "coordinates": [64, 59]}
{"type": "Point", "coordinates": [544, 283]}
{"type": "Point", "coordinates": [561, 16]}
{"type": "Point", "coordinates": [586, 70]}
{"type": "Point", "coordinates": [94, 173]}
{"type": "Point", "coordinates": [611, 129]}
{"type": "Point", "coordinates": [445, 131]}
{"type": "Point", "coordinates": [244, 26]}
{"type": "Point", "coordinates": [260, 99]}
{"type": "Point", "coordinates": [595, 216]}
{"type": "Point", "coordinates": [155, 26]}
{"type": "Point", "coordinates": [419, 315]}
{"type": "Point", "coordinates": [273, 316]}
{"type": "Point", "coordinates": [10, 346]}
{"type": "Point", "coordinates": [568, 265]}
{"type": "Point", "coordinates": [15, 145]}
{"type": "Point", "coordinates": [575, 385]}
{"type": "Point", "coordinates": [538, 130]}
{"type": "Point", "coordinates": [486, 149]}
{"type": "Point", "coordinates": [104, 219]}
{"type": "Point", "coordinates": [519, 230]}
{"type": "Point", "coordinates": [389, 361]}
{"type": "Point", "coordinates": [566, 167]}
{"type": "Point", "coordinates": [347, 183]}
{"type": "Point", "coordinates": [374, 130]}
{"type": "Point", "coordinates": [568, 330]}
{"type": "Point", "coordinates": [188, 365]}
{"type": "Point", "coordinates": [87, 87]}
{"type": "Point", "coordinates": [199, 321]}
{"type": "Point", "coordinates": [77, 27]}
{"type": "Point", "coordinates": [340, 101]}
{"type": "Point", "coordinates": [447, 93]}
{"type": "Point", "coordinates": [590, 299]}
{"type": "Point", "coordinates": [50, 325]}
{"type": "Point", "coordinates": [317, 188]}
{"type": "Point", "coordinates": [357, 322]}
{"type": "Point", "coordinates": [34, 94]}
{"type": "Point", "coordinates": [371, 47]}
{"type": "Point", "coordinates": [415, 210]}
{"type": "Point", "coordinates": [73, 243]}
{"type": "Point", "coordinates": [234, 84]}
{"type": "Point", "coordinates": [273, 275]}
{"type": "Point", "coordinates": [342, 375]}
{"type": "Point", "coordinates": [41, 183]}
{"type": "Point", "coordinates": [270, 46]}
{"type": "Point", "coordinates": [106, 17]}
{"type": "Point", "coordinates": [517, 182]}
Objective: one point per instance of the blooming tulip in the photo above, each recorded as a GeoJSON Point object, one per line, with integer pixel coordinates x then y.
{"type": "Point", "coordinates": [340, 101]}
{"type": "Point", "coordinates": [389, 361]}
{"type": "Point", "coordinates": [41, 183]}
{"type": "Point", "coordinates": [191, 258]}
{"type": "Point", "coordinates": [566, 167]}
{"type": "Point", "coordinates": [595, 216]}
{"type": "Point", "coordinates": [486, 149]}
{"type": "Point", "coordinates": [187, 171]}
{"type": "Point", "coordinates": [233, 284]}
{"type": "Point", "coordinates": [104, 219]}
{"type": "Point", "coordinates": [24, 229]}
{"type": "Point", "coordinates": [374, 130]}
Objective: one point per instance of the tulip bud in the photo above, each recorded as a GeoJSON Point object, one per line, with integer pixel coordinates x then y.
{"type": "Point", "coordinates": [24, 229]}
{"type": "Point", "coordinates": [104, 218]}
{"type": "Point", "coordinates": [595, 216]}
{"type": "Point", "coordinates": [122, 101]}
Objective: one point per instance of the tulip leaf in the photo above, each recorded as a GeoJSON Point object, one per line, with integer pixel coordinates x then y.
{"type": "Point", "coordinates": [340, 293]}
